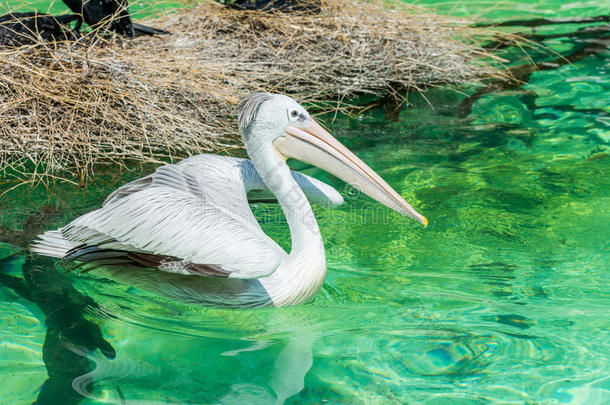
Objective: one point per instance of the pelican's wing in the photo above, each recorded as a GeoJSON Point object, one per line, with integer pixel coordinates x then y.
{"type": "Point", "coordinates": [190, 218]}
{"type": "Point", "coordinates": [316, 191]}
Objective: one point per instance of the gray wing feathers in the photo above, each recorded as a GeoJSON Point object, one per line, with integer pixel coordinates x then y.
{"type": "Point", "coordinates": [162, 221]}
{"type": "Point", "coordinates": [129, 188]}
{"type": "Point", "coordinates": [318, 192]}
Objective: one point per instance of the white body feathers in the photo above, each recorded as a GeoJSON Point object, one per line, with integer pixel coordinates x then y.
{"type": "Point", "coordinates": [197, 212]}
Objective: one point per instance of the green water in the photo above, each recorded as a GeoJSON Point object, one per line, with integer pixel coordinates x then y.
{"type": "Point", "coordinates": [504, 298]}
{"type": "Point", "coordinates": [138, 8]}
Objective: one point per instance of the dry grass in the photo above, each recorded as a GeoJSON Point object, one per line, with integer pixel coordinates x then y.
{"type": "Point", "coordinates": [66, 107]}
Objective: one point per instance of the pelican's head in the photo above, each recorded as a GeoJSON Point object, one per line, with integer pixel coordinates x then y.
{"type": "Point", "coordinates": [280, 122]}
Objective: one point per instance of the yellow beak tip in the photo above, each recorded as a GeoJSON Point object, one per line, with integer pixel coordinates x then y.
{"type": "Point", "coordinates": [425, 222]}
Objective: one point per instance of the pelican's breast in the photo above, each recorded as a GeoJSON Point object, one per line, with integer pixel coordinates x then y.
{"type": "Point", "coordinates": [298, 278]}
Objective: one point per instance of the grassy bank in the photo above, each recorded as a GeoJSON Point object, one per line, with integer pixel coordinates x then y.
{"type": "Point", "coordinates": [67, 107]}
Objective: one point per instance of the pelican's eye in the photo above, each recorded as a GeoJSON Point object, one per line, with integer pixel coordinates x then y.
{"type": "Point", "coordinates": [294, 113]}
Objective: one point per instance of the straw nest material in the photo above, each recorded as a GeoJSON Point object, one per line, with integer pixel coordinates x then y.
{"type": "Point", "coordinates": [66, 107]}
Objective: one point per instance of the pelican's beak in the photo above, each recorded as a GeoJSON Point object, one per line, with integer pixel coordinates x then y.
{"type": "Point", "coordinates": [314, 145]}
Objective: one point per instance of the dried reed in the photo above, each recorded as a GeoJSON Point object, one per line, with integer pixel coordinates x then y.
{"type": "Point", "coordinates": [65, 107]}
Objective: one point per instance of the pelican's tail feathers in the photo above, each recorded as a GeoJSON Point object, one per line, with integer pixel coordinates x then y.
{"type": "Point", "coordinates": [52, 244]}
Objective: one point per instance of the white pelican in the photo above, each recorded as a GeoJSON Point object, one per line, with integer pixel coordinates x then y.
{"type": "Point", "coordinates": [188, 232]}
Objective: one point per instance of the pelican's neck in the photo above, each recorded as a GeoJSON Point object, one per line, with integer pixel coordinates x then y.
{"type": "Point", "coordinates": [301, 275]}
{"type": "Point", "coordinates": [275, 173]}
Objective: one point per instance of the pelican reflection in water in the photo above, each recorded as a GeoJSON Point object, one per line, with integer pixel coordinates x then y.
{"type": "Point", "coordinates": [187, 231]}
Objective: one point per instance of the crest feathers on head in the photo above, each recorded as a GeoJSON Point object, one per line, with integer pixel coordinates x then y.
{"type": "Point", "coordinates": [248, 107]}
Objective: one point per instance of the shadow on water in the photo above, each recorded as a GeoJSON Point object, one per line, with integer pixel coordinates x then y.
{"type": "Point", "coordinates": [65, 310]}
{"type": "Point", "coordinates": [520, 75]}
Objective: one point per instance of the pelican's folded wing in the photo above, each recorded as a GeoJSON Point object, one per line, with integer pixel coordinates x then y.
{"type": "Point", "coordinates": [176, 232]}
{"type": "Point", "coordinates": [190, 218]}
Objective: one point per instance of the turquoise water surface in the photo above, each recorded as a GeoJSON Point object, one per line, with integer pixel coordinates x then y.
{"type": "Point", "coordinates": [504, 298]}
